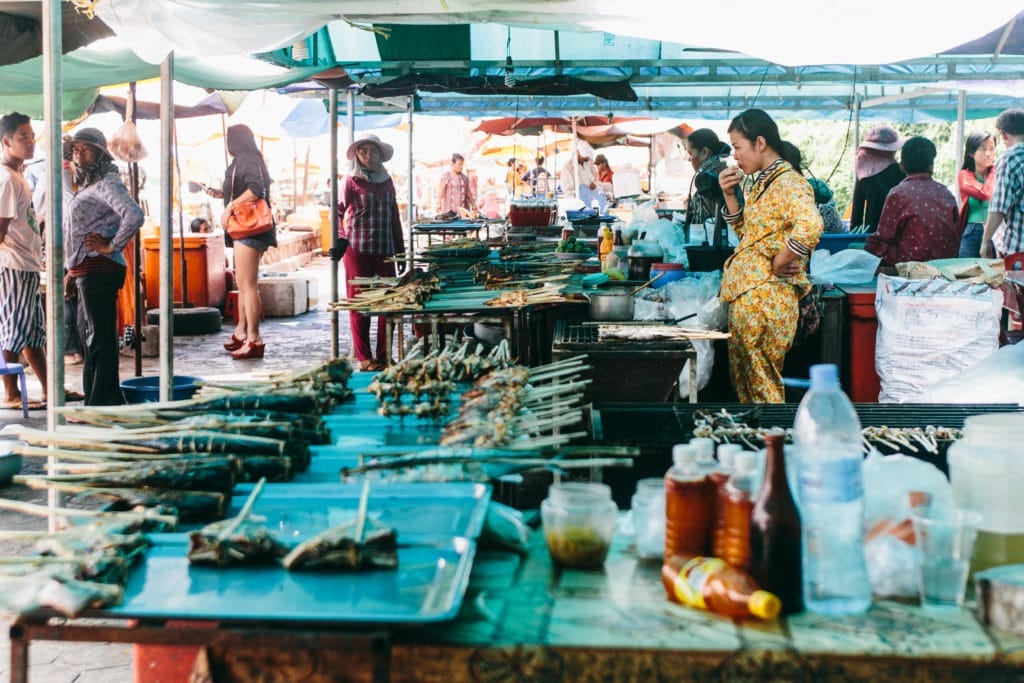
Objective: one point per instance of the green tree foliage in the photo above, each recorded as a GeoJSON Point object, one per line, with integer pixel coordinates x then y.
{"type": "Point", "coordinates": [827, 148]}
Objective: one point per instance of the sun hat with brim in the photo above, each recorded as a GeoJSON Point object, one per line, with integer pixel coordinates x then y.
{"type": "Point", "coordinates": [883, 138]}
{"type": "Point", "coordinates": [386, 150]}
{"type": "Point", "coordinates": [94, 137]}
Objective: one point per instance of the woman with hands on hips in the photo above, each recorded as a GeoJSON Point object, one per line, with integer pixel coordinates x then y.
{"type": "Point", "coordinates": [100, 219]}
{"type": "Point", "coordinates": [778, 226]}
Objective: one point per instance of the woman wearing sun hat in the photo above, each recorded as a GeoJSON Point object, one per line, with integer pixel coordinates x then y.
{"type": "Point", "coordinates": [100, 219]}
{"type": "Point", "coordinates": [876, 173]}
{"type": "Point", "coordinates": [370, 228]}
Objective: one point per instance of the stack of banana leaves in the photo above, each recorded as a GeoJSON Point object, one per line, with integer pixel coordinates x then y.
{"type": "Point", "coordinates": [83, 566]}
{"type": "Point", "coordinates": [186, 456]}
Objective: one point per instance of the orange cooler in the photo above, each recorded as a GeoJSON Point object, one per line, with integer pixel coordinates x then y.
{"type": "Point", "coordinates": [204, 264]}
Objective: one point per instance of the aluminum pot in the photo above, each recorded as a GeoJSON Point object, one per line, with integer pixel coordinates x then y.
{"type": "Point", "coordinates": [615, 305]}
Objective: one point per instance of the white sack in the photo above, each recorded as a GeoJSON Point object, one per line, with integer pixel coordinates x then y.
{"type": "Point", "coordinates": [997, 378]}
{"type": "Point", "coordinates": [929, 330]}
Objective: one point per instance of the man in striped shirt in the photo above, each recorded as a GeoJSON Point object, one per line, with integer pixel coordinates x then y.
{"type": "Point", "coordinates": [22, 325]}
{"type": "Point", "coordinates": [455, 194]}
{"type": "Point", "coordinates": [1004, 228]}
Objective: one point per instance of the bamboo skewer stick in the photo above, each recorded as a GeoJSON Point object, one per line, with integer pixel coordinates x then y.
{"type": "Point", "coordinates": [46, 511]}
{"type": "Point", "coordinates": [244, 512]}
{"type": "Point", "coordinates": [364, 504]}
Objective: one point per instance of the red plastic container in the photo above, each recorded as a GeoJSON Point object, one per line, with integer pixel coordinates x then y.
{"type": "Point", "coordinates": [532, 216]}
{"type": "Point", "coordinates": [167, 663]}
{"type": "Point", "coordinates": [863, 328]}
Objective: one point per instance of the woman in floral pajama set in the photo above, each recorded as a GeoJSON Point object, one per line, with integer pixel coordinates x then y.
{"type": "Point", "coordinates": [779, 226]}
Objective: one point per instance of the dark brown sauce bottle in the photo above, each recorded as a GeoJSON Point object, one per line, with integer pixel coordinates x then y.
{"type": "Point", "coordinates": [775, 550]}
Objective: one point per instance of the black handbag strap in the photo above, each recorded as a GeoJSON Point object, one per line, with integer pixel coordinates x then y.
{"type": "Point", "coordinates": [234, 169]}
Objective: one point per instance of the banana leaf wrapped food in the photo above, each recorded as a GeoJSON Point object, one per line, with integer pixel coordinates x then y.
{"type": "Point", "coordinates": [246, 543]}
{"type": "Point", "coordinates": [339, 548]}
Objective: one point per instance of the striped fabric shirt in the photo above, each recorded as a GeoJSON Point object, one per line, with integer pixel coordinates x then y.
{"type": "Point", "coordinates": [369, 218]}
{"type": "Point", "coordinates": [1008, 199]}
{"type": "Point", "coordinates": [455, 193]}
{"type": "Point", "coordinates": [106, 208]}
{"type": "Point", "coordinates": [22, 324]}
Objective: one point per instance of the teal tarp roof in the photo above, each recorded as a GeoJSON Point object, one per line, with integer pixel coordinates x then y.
{"type": "Point", "coordinates": [87, 69]}
{"type": "Point", "coordinates": [671, 79]}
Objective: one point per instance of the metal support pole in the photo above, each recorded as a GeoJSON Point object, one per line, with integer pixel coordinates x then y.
{"type": "Point", "coordinates": [335, 289]}
{"type": "Point", "coordinates": [412, 208]}
{"type": "Point", "coordinates": [53, 86]}
{"type": "Point", "coordinates": [576, 158]}
{"type": "Point", "coordinates": [140, 294]}
{"type": "Point", "coordinates": [166, 228]}
{"type": "Point", "coordinates": [856, 132]}
{"type": "Point", "coordinates": [961, 115]}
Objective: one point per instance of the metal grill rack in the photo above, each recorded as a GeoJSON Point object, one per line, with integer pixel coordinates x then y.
{"type": "Point", "coordinates": [626, 370]}
{"type": "Point", "coordinates": [668, 424]}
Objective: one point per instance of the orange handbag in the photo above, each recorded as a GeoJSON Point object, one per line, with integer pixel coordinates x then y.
{"type": "Point", "coordinates": [250, 218]}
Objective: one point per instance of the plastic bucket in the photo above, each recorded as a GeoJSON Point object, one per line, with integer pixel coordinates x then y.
{"type": "Point", "coordinates": [672, 273]}
{"type": "Point", "coordinates": [147, 389]}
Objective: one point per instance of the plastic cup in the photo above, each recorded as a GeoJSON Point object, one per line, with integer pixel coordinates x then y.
{"type": "Point", "coordinates": [944, 546]}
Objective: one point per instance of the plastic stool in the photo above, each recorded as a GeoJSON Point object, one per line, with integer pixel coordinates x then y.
{"type": "Point", "coordinates": [231, 307]}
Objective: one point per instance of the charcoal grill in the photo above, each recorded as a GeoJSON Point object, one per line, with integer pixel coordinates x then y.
{"type": "Point", "coordinates": [626, 370]}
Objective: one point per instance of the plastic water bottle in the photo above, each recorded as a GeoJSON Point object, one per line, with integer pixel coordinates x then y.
{"type": "Point", "coordinates": [827, 435]}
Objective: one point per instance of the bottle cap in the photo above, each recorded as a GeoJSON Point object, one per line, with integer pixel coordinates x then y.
{"type": "Point", "coordinates": [705, 450]}
{"type": "Point", "coordinates": [683, 456]}
{"type": "Point", "coordinates": [824, 376]}
{"type": "Point", "coordinates": [727, 453]}
{"type": "Point", "coordinates": [745, 461]}
{"type": "Point", "coordinates": [764, 605]}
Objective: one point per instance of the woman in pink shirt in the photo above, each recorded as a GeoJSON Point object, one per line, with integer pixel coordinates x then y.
{"type": "Point", "coordinates": [976, 180]}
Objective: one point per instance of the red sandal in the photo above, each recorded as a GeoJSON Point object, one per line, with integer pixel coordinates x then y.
{"type": "Point", "coordinates": [249, 350]}
{"type": "Point", "coordinates": [234, 343]}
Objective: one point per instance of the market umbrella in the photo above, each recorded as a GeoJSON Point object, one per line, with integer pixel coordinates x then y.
{"type": "Point", "coordinates": [510, 125]}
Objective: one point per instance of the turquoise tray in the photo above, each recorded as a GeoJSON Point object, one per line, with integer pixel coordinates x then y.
{"type": "Point", "coordinates": [428, 586]}
{"type": "Point", "coordinates": [418, 511]}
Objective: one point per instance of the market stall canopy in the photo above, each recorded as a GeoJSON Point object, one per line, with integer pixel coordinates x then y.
{"type": "Point", "coordinates": [109, 62]}
{"type": "Point", "coordinates": [310, 118]}
{"type": "Point", "coordinates": [558, 86]}
{"type": "Point", "coordinates": [21, 33]}
{"type": "Point", "coordinates": [847, 32]}
{"type": "Point", "coordinates": [213, 103]}
{"type": "Point", "coordinates": [510, 125]}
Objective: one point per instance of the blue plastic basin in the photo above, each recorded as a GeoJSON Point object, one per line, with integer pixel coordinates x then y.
{"type": "Point", "coordinates": [147, 389]}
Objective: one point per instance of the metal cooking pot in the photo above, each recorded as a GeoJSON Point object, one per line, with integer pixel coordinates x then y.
{"type": "Point", "coordinates": [611, 305]}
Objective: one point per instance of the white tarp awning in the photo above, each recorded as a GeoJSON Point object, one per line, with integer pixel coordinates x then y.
{"type": "Point", "coordinates": [789, 32]}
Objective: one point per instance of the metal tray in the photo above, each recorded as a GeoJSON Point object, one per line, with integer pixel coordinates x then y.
{"type": "Point", "coordinates": [417, 511]}
{"type": "Point", "coordinates": [427, 586]}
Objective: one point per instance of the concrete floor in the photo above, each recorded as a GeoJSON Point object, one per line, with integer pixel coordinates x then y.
{"type": "Point", "coordinates": [293, 342]}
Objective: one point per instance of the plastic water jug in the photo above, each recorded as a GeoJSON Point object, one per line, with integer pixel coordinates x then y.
{"type": "Point", "coordinates": [986, 470]}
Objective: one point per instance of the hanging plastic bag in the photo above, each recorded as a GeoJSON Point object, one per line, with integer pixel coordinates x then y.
{"type": "Point", "coordinates": [126, 145]}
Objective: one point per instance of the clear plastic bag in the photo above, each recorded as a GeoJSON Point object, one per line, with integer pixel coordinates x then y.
{"type": "Point", "coordinates": [846, 267]}
{"type": "Point", "coordinates": [126, 145]}
{"type": "Point", "coordinates": [893, 485]}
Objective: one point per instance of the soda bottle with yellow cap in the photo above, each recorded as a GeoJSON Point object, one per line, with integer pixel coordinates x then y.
{"type": "Point", "coordinates": [710, 583]}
